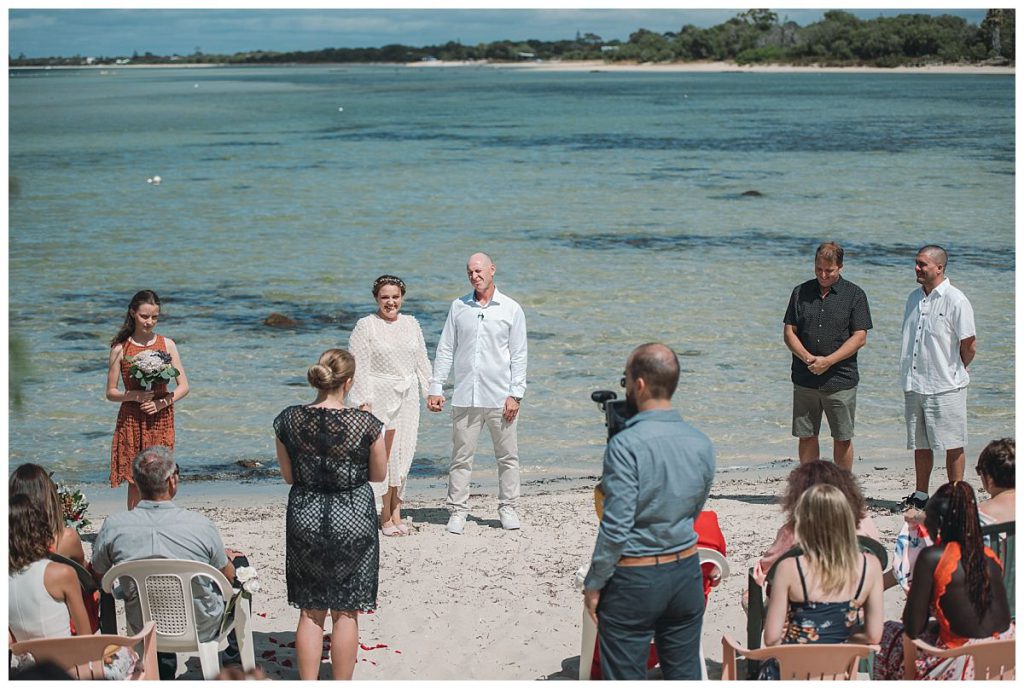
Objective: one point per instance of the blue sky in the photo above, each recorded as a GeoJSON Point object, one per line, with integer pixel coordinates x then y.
{"type": "Point", "coordinates": [117, 32]}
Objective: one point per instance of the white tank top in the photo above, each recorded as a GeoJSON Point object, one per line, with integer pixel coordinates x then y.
{"type": "Point", "coordinates": [32, 611]}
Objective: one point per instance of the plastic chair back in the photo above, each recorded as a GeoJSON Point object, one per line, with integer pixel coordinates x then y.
{"type": "Point", "coordinates": [718, 560]}
{"type": "Point", "coordinates": [70, 651]}
{"type": "Point", "coordinates": [800, 661]}
{"type": "Point", "coordinates": [165, 597]}
{"type": "Point", "coordinates": [1002, 539]}
{"type": "Point", "coordinates": [993, 660]}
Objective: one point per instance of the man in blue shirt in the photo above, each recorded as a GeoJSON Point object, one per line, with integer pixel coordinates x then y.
{"type": "Point", "coordinates": [645, 579]}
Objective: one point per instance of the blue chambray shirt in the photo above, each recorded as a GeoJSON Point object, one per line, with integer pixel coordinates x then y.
{"type": "Point", "coordinates": [657, 476]}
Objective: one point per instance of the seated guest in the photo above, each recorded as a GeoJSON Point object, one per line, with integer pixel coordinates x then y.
{"type": "Point", "coordinates": [35, 482]}
{"type": "Point", "coordinates": [996, 469]}
{"type": "Point", "coordinates": [814, 473]}
{"type": "Point", "coordinates": [157, 528]}
{"type": "Point", "coordinates": [44, 597]}
{"type": "Point", "coordinates": [819, 597]}
{"type": "Point", "coordinates": [958, 582]}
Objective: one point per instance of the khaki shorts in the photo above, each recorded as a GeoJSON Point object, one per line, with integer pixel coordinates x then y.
{"type": "Point", "coordinates": [936, 422]}
{"type": "Point", "coordinates": [839, 406]}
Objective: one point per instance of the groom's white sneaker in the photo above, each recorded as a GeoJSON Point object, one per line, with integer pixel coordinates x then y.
{"type": "Point", "coordinates": [456, 523]}
{"type": "Point", "coordinates": [508, 517]}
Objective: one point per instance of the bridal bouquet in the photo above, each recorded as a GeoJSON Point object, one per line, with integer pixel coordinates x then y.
{"type": "Point", "coordinates": [73, 505]}
{"type": "Point", "coordinates": [151, 366]}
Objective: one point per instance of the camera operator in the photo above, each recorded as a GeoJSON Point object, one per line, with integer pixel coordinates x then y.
{"type": "Point", "coordinates": [645, 579]}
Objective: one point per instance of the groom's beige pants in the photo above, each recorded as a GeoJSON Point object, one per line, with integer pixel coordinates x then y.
{"type": "Point", "coordinates": [467, 422]}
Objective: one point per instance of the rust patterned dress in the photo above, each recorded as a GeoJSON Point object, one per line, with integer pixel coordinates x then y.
{"type": "Point", "coordinates": [135, 429]}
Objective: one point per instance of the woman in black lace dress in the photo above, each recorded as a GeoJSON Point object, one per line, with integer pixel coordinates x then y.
{"type": "Point", "coordinates": [328, 453]}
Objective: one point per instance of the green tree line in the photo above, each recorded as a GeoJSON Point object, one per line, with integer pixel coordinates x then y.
{"type": "Point", "coordinates": [754, 36]}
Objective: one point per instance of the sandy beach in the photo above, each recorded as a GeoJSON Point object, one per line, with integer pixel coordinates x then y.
{"type": "Point", "coordinates": [494, 604]}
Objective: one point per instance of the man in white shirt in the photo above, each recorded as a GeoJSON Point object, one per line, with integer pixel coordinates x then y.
{"type": "Point", "coordinates": [938, 345]}
{"type": "Point", "coordinates": [484, 340]}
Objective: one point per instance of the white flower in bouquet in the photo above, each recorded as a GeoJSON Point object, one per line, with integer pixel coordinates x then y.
{"type": "Point", "coordinates": [249, 578]}
{"type": "Point", "coordinates": [152, 366]}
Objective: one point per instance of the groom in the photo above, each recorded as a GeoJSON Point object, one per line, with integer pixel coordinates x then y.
{"type": "Point", "coordinates": [484, 340]}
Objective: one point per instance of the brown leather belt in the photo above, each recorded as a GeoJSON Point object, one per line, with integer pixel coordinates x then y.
{"type": "Point", "coordinates": [661, 559]}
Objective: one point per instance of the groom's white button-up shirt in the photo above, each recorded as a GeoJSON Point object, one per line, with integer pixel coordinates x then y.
{"type": "Point", "coordinates": [486, 346]}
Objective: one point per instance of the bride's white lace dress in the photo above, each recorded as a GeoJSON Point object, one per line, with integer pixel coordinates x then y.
{"type": "Point", "coordinates": [392, 369]}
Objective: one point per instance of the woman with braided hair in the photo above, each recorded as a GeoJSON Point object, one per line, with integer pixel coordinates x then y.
{"type": "Point", "coordinates": [958, 582]}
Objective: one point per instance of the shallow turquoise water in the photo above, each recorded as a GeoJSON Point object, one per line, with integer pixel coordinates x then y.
{"type": "Point", "coordinates": [612, 204]}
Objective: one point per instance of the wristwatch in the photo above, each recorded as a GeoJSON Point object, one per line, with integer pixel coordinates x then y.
{"type": "Point", "coordinates": [517, 399]}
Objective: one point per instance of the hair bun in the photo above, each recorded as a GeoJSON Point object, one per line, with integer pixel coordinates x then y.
{"type": "Point", "coordinates": [320, 377]}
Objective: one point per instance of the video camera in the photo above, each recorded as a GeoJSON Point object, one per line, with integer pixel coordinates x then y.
{"type": "Point", "coordinates": [615, 413]}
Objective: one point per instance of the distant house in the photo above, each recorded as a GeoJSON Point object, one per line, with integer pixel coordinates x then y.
{"type": "Point", "coordinates": [90, 60]}
{"type": "Point", "coordinates": [428, 58]}
{"type": "Point", "coordinates": [122, 61]}
{"type": "Point", "coordinates": [609, 48]}
{"type": "Point", "coordinates": [526, 56]}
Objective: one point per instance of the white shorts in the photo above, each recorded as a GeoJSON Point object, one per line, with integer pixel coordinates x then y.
{"type": "Point", "coordinates": [936, 422]}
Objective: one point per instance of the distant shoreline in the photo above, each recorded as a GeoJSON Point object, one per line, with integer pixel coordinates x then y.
{"type": "Point", "coordinates": [578, 66]}
{"type": "Point", "coordinates": [715, 67]}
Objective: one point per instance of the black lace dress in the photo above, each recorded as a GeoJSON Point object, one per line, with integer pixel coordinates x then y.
{"type": "Point", "coordinates": [332, 549]}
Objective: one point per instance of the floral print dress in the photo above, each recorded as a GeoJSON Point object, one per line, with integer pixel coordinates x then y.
{"type": "Point", "coordinates": [136, 430]}
{"type": "Point", "coordinates": [811, 622]}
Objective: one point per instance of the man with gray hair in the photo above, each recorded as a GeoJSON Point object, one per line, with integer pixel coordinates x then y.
{"type": "Point", "coordinates": [938, 345]}
{"type": "Point", "coordinates": [484, 342]}
{"type": "Point", "coordinates": [157, 528]}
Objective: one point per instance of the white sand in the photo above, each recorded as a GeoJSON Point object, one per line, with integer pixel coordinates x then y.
{"type": "Point", "coordinates": [501, 605]}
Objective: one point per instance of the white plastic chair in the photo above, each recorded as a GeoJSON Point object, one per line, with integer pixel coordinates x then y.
{"type": "Point", "coordinates": [588, 635]}
{"type": "Point", "coordinates": [165, 597]}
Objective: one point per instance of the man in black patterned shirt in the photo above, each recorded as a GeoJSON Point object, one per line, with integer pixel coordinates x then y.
{"type": "Point", "coordinates": [826, 323]}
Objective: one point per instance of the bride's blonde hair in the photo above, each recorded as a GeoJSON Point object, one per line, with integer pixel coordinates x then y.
{"type": "Point", "coordinates": [826, 530]}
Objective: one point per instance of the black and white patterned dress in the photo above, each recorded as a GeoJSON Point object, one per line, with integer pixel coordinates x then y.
{"type": "Point", "coordinates": [332, 549]}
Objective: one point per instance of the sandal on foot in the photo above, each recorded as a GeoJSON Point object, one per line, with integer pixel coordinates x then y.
{"type": "Point", "coordinates": [390, 530]}
{"type": "Point", "coordinates": [404, 528]}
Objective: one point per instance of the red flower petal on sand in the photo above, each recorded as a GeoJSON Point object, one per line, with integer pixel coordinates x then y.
{"type": "Point", "coordinates": [262, 614]}
{"type": "Point", "coordinates": [397, 651]}
{"type": "Point", "coordinates": [372, 648]}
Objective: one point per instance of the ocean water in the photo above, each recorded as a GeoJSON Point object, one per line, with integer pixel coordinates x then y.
{"type": "Point", "coordinates": [612, 204]}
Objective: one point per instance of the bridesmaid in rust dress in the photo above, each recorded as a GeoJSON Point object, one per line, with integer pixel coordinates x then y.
{"type": "Point", "coordinates": [146, 417]}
